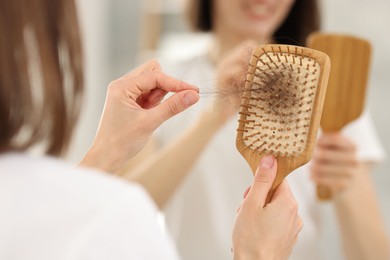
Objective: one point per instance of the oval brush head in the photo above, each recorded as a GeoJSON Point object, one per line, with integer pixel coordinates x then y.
{"type": "Point", "coordinates": [282, 105]}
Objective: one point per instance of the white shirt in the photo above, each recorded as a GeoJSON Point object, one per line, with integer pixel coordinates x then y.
{"type": "Point", "coordinates": [201, 214]}
{"type": "Point", "coordinates": [52, 210]}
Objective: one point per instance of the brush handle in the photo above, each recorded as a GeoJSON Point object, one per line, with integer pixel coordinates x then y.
{"type": "Point", "coordinates": [284, 167]}
{"type": "Point", "coordinates": [270, 195]}
{"type": "Point", "coordinates": [324, 193]}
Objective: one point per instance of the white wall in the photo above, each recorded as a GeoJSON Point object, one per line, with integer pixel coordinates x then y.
{"type": "Point", "coordinates": [93, 20]}
{"type": "Point", "coordinates": [110, 31]}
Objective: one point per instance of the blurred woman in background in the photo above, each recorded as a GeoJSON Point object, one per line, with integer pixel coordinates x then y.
{"type": "Point", "coordinates": [206, 173]}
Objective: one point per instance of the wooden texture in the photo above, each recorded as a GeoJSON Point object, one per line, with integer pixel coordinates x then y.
{"type": "Point", "coordinates": [286, 164]}
{"type": "Point", "coordinates": [344, 101]}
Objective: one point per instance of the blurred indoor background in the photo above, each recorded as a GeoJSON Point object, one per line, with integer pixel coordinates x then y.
{"type": "Point", "coordinates": [119, 34]}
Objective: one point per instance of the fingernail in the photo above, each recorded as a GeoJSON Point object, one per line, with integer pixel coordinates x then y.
{"type": "Point", "coordinates": [267, 162]}
{"type": "Point", "coordinates": [190, 98]}
{"type": "Point", "coordinates": [196, 88]}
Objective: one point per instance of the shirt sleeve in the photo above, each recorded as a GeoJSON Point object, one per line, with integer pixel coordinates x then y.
{"type": "Point", "coordinates": [362, 131]}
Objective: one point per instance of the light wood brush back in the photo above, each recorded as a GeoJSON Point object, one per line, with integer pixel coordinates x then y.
{"type": "Point", "coordinates": [281, 106]}
{"type": "Point", "coordinates": [345, 97]}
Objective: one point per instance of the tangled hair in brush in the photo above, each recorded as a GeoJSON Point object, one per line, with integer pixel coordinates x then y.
{"type": "Point", "coordinates": [275, 90]}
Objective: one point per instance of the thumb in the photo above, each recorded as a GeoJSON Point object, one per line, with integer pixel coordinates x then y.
{"type": "Point", "coordinates": [175, 104]}
{"type": "Point", "coordinates": [263, 180]}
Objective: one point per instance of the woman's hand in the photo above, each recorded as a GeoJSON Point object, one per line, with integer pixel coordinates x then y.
{"type": "Point", "coordinates": [334, 163]}
{"type": "Point", "coordinates": [231, 75]}
{"type": "Point", "coordinates": [266, 231]}
{"type": "Point", "coordinates": [133, 110]}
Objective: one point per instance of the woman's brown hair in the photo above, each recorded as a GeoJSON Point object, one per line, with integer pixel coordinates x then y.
{"type": "Point", "coordinates": [40, 74]}
{"type": "Point", "coordinates": [301, 21]}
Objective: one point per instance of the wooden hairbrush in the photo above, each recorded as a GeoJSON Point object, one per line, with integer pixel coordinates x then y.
{"type": "Point", "coordinates": [344, 101]}
{"type": "Point", "coordinates": [281, 106]}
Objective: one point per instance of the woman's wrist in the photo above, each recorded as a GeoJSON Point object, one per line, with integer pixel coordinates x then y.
{"type": "Point", "coordinates": [237, 255]}
{"type": "Point", "coordinates": [99, 159]}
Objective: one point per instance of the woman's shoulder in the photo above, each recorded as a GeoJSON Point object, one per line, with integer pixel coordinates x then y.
{"type": "Point", "coordinates": [59, 178]}
{"type": "Point", "coordinates": [79, 210]}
